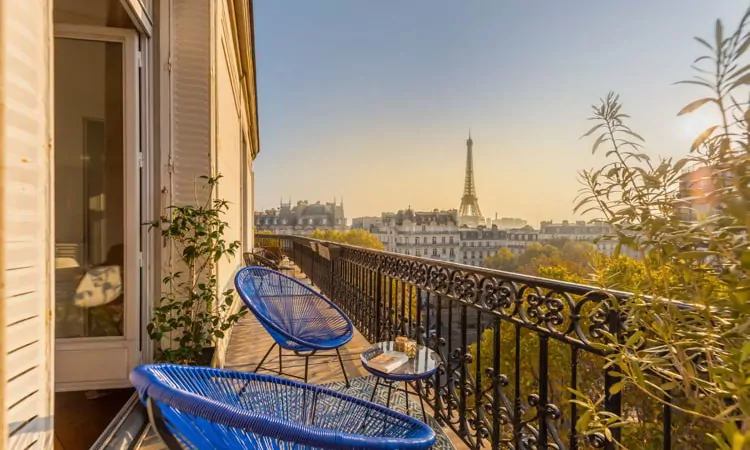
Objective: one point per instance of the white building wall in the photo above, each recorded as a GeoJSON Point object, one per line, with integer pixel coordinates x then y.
{"type": "Point", "coordinates": [211, 117]}
{"type": "Point", "coordinates": [26, 228]}
{"type": "Point", "coordinates": [230, 129]}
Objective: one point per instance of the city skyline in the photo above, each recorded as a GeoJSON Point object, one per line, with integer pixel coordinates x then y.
{"type": "Point", "coordinates": [383, 122]}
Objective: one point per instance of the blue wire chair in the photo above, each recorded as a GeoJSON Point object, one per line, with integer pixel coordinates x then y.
{"type": "Point", "coordinates": [205, 408]}
{"type": "Point", "coordinates": [297, 318]}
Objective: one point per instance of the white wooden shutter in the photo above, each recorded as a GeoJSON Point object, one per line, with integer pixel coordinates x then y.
{"type": "Point", "coordinates": [191, 107]}
{"type": "Point", "coordinates": [25, 235]}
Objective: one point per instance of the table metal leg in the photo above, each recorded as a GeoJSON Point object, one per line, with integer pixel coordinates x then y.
{"type": "Point", "coordinates": [421, 402]}
{"type": "Point", "coordinates": [388, 401]}
{"type": "Point", "coordinates": [406, 396]}
{"type": "Point", "coordinates": [375, 389]}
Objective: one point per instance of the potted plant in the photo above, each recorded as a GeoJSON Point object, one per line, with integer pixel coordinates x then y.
{"type": "Point", "coordinates": [192, 313]}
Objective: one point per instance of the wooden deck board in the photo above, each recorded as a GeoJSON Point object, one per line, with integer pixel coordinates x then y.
{"type": "Point", "coordinates": [250, 341]}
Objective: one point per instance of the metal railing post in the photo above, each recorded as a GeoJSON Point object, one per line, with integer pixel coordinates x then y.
{"type": "Point", "coordinates": [378, 300]}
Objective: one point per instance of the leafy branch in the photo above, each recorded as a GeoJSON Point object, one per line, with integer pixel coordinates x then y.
{"type": "Point", "coordinates": [192, 313]}
{"type": "Point", "coordinates": [689, 220]}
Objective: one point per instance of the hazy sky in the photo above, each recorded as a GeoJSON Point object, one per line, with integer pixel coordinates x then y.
{"type": "Point", "coordinates": [371, 100]}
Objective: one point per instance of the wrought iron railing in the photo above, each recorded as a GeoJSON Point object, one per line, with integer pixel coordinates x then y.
{"type": "Point", "coordinates": [516, 349]}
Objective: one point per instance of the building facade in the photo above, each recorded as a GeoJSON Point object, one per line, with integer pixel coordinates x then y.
{"type": "Point", "coordinates": [430, 234]}
{"type": "Point", "coordinates": [109, 111]}
{"type": "Point", "coordinates": [508, 223]}
{"type": "Point", "coordinates": [437, 235]}
{"type": "Point", "coordinates": [368, 223]}
{"type": "Point", "coordinates": [303, 218]}
{"type": "Point", "coordinates": [477, 244]}
{"type": "Point", "coordinates": [596, 232]}
{"type": "Point", "coordinates": [695, 188]}
{"type": "Point", "coordinates": [579, 230]}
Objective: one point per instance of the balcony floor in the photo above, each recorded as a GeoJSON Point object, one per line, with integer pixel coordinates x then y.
{"type": "Point", "coordinates": [249, 341]}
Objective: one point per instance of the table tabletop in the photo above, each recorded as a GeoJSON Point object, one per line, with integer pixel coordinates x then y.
{"type": "Point", "coordinates": [421, 366]}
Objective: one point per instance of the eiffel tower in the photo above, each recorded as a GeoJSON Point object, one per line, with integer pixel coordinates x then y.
{"type": "Point", "coordinates": [469, 212]}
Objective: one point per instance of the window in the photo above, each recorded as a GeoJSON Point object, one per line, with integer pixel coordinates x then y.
{"type": "Point", "coordinates": [472, 254]}
{"type": "Point", "coordinates": [434, 252]}
{"type": "Point", "coordinates": [464, 254]}
{"type": "Point", "coordinates": [424, 228]}
{"type": "Point", "coordinates": [434, 240]}
{"type": "Point", "coordinates": [471, 244]}
{"type": "Point", "coordinates": [416, 240]}
{"type": "Point", "coordinates": [444, 250]}
{"type": "Point", "coordinates": [406, 252]}
{"type": "Point", "coordinates": [451, 239]}
{"type": "Point", "coordinates": [452, 253]}
{"type": "Point", "coordinates": [487, 244]}
{"type": "Point", "coordinates": [443, 239]}
{"type": "Point", "coordinates": [424, 239]}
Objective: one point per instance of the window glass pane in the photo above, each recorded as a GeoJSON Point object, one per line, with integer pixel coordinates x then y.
{"type": "Point", "coordinates": [89, 209]}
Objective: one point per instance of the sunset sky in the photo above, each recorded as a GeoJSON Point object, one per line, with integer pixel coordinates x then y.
{"type": "Point", "coordinates": [372, 100]}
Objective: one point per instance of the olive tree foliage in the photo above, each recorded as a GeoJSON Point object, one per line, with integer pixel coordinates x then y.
{"type": "Point", "coordinates": [686, 340]}
{"type": "Point", "coordinates": [360, 238]}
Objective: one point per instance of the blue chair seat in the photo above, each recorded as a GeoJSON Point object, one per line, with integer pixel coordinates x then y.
{"type": "Point", "coordinates": [205, 408]}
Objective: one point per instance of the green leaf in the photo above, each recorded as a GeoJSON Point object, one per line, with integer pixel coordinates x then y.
{"type": "Point", "coordinates": [737, 72]}
{"type": "Point", "coordinates": [744, 79]}
{"type": "Point", "coordinates": [634, 134]}
{"type": "Point", "coordinates": [702, 137]}
{"type": "Point", "coordinates": [745, 354]}
{"type": "Point", "coordinates": [583, 421]}
{"type": "Point", "coordinates": [632, 340]}
{"type": "Point", "coordinates": [639, 374]}
{"type": "Point", "coordinates": [588, 133]}
{"type": "Point", "coordinates": [598, 142]}
{"type": "Point", "coordinates": [699, 83]}
{"type": "Point", "coordinates": [720, 441]}
{"type": "Point", "coordinates": [743, 47]}
{"type": "Point", "coordinates": [616, 388]}
{"type": "Point", "coordinates": [695, 105]}
{"type": "Point", "coordinates": [704, 42]}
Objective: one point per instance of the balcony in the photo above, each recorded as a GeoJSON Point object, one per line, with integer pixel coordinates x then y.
{"type": "Point", "coordinates": [545, 336]}
{"type": "Point", "coordinates": [539, 339]}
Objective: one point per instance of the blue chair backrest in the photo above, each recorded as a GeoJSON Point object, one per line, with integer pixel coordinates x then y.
{"type": "Point", "coordinates": [258, 284]}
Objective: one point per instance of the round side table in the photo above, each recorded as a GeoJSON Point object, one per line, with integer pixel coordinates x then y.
{"type": "Point", "coordinates": [416, 369]}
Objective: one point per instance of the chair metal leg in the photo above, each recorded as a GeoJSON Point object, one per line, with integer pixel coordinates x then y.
{"type": "Point", "coordinates": [388, 400]}
{"type": "Point", "coordinates": [341, 361]}
{"type": "Point", "coordinates": [307, 364]}
{"type": "Point", "coordinates": [266, 356]}
{"type": "Point", "coordinates": [160, 427]}
{"type": "Point", "coordinates": [280, 371]}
